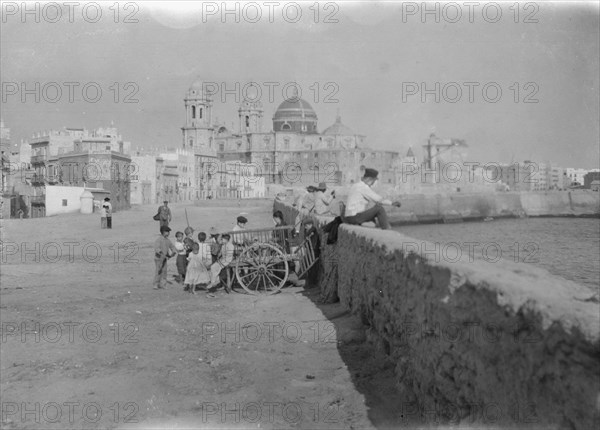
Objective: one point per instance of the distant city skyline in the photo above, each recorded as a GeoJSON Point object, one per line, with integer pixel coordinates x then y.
{"type": "Point", "coordinates": [373, 66]}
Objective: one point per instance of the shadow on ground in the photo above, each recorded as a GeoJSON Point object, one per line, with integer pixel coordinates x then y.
{"type": "Point", "coordinates": [371, 369]}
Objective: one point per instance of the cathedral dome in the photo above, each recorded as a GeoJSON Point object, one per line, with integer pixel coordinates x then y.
{"type": "Point", "coordinates": [295, 108]}
{"type": "Point", "coordinates": [296, 115]}
{"type": "Point", "coordinates": [337, 129]}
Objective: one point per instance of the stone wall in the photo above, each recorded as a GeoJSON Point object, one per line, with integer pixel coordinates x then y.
{"type": "Point", "coordinates": [496, 344]}
{"type": "Point", "coordinates": [438, 207]}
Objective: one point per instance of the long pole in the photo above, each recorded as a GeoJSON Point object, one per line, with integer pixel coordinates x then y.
{"type": "Point", "coordinates": [186, 218]}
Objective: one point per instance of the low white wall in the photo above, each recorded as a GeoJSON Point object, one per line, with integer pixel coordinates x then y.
{"type": "Point", "coordinates": [55, 196]}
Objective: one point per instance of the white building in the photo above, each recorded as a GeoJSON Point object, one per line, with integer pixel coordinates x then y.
{"type": "Point", "coordinates": [575, 176]}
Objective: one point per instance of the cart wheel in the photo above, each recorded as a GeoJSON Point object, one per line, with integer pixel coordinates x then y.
{"type": "Point", "coordinates": [261, 269]}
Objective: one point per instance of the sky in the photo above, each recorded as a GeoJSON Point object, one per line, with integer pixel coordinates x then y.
{"type": "Point", "coordinates": [516, 81]}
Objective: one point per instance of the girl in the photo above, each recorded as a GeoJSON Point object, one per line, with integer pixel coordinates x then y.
{"type": "Point", "coordinates": [196, 270]}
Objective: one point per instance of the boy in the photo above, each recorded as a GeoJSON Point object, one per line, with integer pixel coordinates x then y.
{"type": "Point", "coordinates": [163, 250]}
{"type": "Point", "coordinates": [215, 244]}
{"type": "Point", "coordinates": [240, 239]}
{"type": "Point", "coordinates": [181, 260]}
{"type": "Point", "coordinates": [225, 258]}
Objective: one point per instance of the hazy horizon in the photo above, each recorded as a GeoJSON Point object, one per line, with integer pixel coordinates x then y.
{"type": "Point", "coordinates": [364, 61]}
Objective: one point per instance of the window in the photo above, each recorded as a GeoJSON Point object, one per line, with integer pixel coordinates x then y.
{"type": "Point", "coordinates": [64, 202]}
{"type": "Point", "coordinates": [193, 111]}
{"type": "Point", "coordinates": [200, 113]}
{"type": "Point", "coordinates": [247, 121]}
{"type": "Point", "coordinates": [221, 147]}
{"type": "Point", "coordinates": [286, 126]}
{"type": "Point", "coordinates": [286, 143]}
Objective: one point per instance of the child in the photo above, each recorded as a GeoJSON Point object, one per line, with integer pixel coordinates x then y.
{"type": "Point", "coordinates": [240, 239]}
{"type": "Point", "coordinates": [215, 244]}
{"type": "Point", "coordinates": [163, 250]}
{"type": "Point", "coordinates": [181, 256]}
{"type": "Point", "coordinates": [205, 250]}
{"type": "Point", "coordinates": [196, 270]}
{"type": "Point", "coordinates": [225, 258]}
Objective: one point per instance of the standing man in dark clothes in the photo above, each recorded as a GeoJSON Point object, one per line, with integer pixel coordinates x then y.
{"type": "Point", "coordinates": [108, 209]}
{"type": "Point", "coordinates": [164, 213]}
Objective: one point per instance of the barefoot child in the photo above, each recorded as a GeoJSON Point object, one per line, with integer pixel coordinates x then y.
{"type": "Point", "coordinates": [181, 261]}
{"type": "Point", "coordinates": [205, 250]}
{"type": "Point", "coordinates": [196, 270]}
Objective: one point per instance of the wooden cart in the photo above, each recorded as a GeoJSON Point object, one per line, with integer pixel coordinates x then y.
{"type": "Point", "coordinates": [262, 259]}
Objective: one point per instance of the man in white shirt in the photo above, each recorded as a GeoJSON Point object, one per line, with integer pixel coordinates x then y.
{"type": "Point", "coordinates": [360, 195]}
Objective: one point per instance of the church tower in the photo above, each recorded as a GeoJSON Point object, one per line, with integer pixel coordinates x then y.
{"type": "Point", "coordinates": [198, 128]}
{"type": "Point", "coordinates": [198, 138]}
{"type": "Point", "coordinates": [250, 114]}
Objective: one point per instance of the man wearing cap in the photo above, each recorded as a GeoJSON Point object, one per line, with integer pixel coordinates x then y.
{"type": "Point", "coordinates": [163, 250]}
{"type": "Point", "coordinates": [323, 200]}
{"type": "Point", "coordinates": [164, 214]}
{"type": "Point", "coordinates": [360, 195]}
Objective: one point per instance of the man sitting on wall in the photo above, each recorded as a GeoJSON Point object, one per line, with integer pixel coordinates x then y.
{"type": "Point", "coordinates": [360, 195]}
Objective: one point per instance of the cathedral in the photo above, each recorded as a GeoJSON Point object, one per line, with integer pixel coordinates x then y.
{"type": "Point", "coordinates": [292, 152]}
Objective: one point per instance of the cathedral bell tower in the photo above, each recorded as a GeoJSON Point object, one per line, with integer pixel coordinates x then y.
{"type": "Point", "coordinates": [198, 128]}
{"type": "Point", "coordinates": [250, 114]}
{"type": "Point", "coordinates": [198, 138]}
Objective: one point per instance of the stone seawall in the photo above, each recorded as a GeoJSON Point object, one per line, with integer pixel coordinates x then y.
{"type": "Point", "coordinates": [496, 344]}
{"type": "Point", "coordinates": [439, 207]}
{"type": "Point", "coordinates": [230, 202]}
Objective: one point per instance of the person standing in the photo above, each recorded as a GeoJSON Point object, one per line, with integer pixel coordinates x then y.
{"type": "Point", "coordinates": [225, 258]}
{"type": "Point", "coordinates": [305, 204]}
{"type": "Point", "coordinates": [164, 214]}
{"type": "Point", "coordinates": [181, 261]}
{"type": "Point", "coordinates": [360, 195]}
{"type": "Point", "coordinates": [108, 212]}
{"type": "Point", "coordinates": [322, 200]}
{"type": "Point", "coordinates": [197, 274]}
{"type": "Point", "coordinates": [102, 207]}
{"type": "Point", "coordinates": [163, 250]}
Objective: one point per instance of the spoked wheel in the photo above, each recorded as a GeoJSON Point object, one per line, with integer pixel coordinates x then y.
{"type": "Point", "coordinates": [262, 269]}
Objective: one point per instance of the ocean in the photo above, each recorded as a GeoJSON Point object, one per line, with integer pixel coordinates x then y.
{"type": "Point", "coordinates": [566, 247]}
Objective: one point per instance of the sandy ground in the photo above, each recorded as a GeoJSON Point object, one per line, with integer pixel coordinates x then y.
{"type": "Point", "coordinates": [87, 343]}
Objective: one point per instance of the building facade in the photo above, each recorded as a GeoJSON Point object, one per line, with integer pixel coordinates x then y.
{"type": "Point", "coordinates": [77, 157]}
{"type": "Point", "coordinates": [292, 152]}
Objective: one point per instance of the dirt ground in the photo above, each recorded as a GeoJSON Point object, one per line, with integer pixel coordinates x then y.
{"type": "Point", "coordinates": [87, 343]}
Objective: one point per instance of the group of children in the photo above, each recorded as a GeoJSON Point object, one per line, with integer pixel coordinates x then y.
{"type": "Point", "coordinates": [200, 262]}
